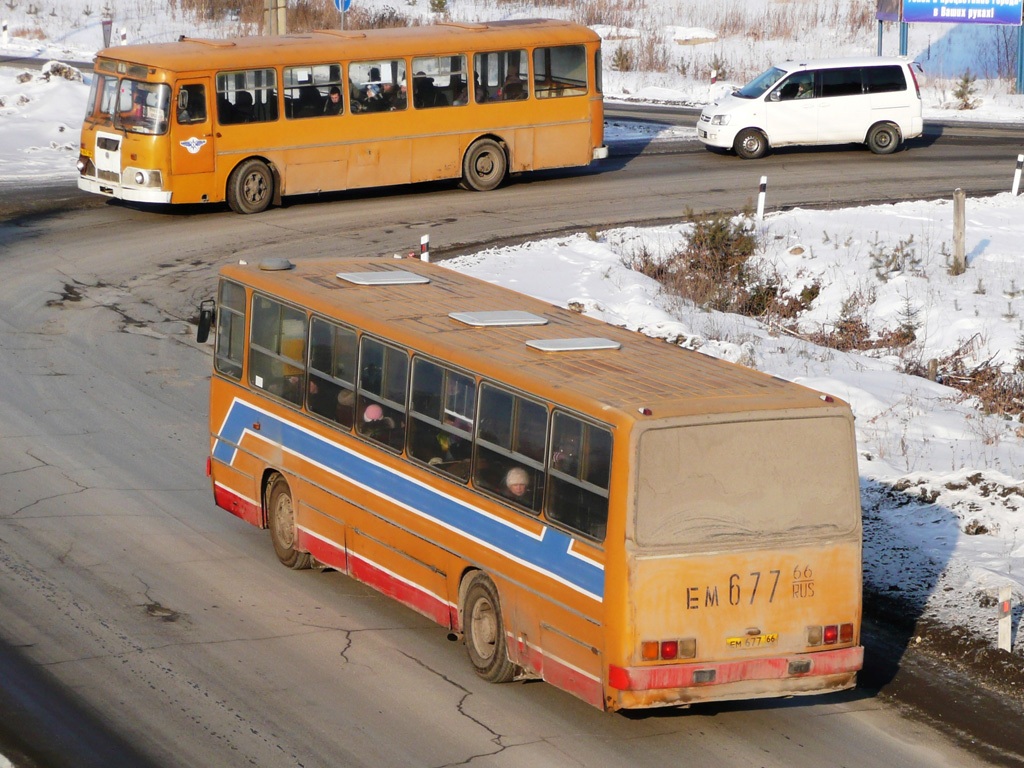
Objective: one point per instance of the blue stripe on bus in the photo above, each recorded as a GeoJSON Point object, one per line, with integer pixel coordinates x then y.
{"type": "Point", "coordinates": [550, 553]}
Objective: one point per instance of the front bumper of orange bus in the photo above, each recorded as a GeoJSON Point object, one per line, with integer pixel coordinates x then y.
{"type": "Point", "coordinates": [135, 184]}
{"type": "Point", "coordinates": [682, 684]}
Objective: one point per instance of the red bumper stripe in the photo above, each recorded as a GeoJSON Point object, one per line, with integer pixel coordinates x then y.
{"type": "Point", "coordinates": [681, 675]}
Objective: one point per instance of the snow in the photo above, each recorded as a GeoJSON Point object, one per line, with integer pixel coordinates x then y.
{"type": "Point", "coordinates": [942, 482]}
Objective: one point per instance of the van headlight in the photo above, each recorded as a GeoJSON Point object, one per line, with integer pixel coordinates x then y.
{"type": "Point", "coordinates": [720, 120]}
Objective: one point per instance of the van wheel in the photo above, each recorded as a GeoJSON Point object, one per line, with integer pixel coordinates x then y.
{"type": "Point", "coordinates": [484, 166]}
{"type": "Point", "coordinates": [750, 144]}
{"type": "Point", "coordinates": [485, 631]}
{"type": "Point", "coordinates": [250, 187]}
{"type": "Point", "coordinates": [883, 139]}
{"type": "Point", "coordinates": [281, 519]}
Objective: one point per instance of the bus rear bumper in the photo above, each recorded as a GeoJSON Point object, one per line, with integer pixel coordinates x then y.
{"type": "Point", "coordinates": [683, 684]}
{"type": "Point", "coordinates": [121, 192]}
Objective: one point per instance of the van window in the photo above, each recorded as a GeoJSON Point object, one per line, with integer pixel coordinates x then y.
{"type": "Point", "coordinates": [844, 81]}
{"type": "Point", "coordinates": [884, 79]}
{"type": "Point", "coordinates": [760, 84]}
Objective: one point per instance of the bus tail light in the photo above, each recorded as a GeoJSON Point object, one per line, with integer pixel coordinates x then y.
{"type": "Point", "coordinates": [830, 634]}
{"type": "Point", "coordinates": [668, 650]}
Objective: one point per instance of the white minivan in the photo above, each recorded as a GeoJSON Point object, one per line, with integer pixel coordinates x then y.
{"type": "Point", "coordinates": [874, 101]}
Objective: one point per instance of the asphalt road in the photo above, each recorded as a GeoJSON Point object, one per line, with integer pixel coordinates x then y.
{"type": "Point", "coordinates": [159, 630]}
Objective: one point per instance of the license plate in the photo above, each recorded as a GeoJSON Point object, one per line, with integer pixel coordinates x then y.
{"type": "Point", "coordinates": [753, 641]}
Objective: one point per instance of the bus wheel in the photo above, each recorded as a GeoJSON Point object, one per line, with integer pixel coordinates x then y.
{"type": "Point", "coordinates": [281, 518]}
{"type": "Point", "coordinates": [251, 187]}
{"type": "Point", "coordinates": [484, 166]}
{"type": "Point", "coordinates": [485, 632]}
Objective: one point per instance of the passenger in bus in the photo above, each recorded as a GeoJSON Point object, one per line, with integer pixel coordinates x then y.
{"type": "Point", "coordinates": [480, 91]}
{"type": "Point", "coordinates": [425, 93]}
{"type": "Point", "coordinates": [243, 107]}
{"type": "Point", "coordinates": [333, 104]}
{"type": "Point", "coordinates": [515, 485]}
{"type": "Point", "coordinates": [513, 88]}
{"type": "Point", "coordinates": [393, 96]}
{"type": "Point", "coordinates": [375, 423]}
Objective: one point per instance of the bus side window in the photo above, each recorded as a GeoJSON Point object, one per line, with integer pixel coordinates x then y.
{"type": "Point", "coordinates": [332, 363]}
{"type": "Point", "coordinates": [377, 86]}
{"type": "Point", "coordinates": [439, 429]}
{"type": "Point", "coordinates": [277, 348]}
{"type": "Point", "coordinates": [380, 401]}
{"type": "Point", "coordinates": [500, 76]}
{"type": "Point", "coordinates": [440, 81]}
{"type": "Point", "coordinates": [580, 470]}
{"type": "Point", "coordinates": [191, 104]}
{"type": "Point", "coordinates": [506, 445]}
{"type": "Point", "coordinates": [560, 71]}
{"type": "Point", "coordinates": [247, 96]}
{"type": "Point", "coordinates": [230, 330]}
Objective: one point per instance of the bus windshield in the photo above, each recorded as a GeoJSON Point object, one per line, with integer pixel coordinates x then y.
{"type": "Point", "coordinates": [132, 105]}
{"type": "Point", "coordinates": [760, 84]}
{"type": "Point", "coordinates": [715, 484]}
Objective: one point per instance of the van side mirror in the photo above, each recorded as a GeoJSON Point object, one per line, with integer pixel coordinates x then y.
{"type": "Point", "coordinates": [207, 314]}
{"type": "Point", "coordinates": [774, 95]}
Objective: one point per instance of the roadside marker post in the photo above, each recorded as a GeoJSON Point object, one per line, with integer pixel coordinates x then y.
{"type": "Point", "coordinates": [5, 31]}
{"type": "Point", "coordinates": [1016, 174]}
{"type": "Point", "coordinates": [124, 35]}
{"type": "Point", "coordinates": [760, 197]}
{"type": "Point", "coordinates": [1003, 607]}
{"type": "Point", "coordinates": [425, 248]}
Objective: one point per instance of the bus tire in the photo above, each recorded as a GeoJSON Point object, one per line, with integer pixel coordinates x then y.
{"type": "Point", "coordinates": [883, 139]}
{"type": "Point", "coordinates": [281, 521]}
{"type": "Point", "coordinates": [485, 631]}
{"type": "Point", "coordinates": [484, 166]}
{"type": "Point", "coordinates": [750, 144]}
{"type": "Point", "coordinates": [250, 187]}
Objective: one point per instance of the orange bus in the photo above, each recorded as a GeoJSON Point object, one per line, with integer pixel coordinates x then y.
{"type": "Point", "coordinates": [248, 120]}
{"type": "Point", "coordinates": [638, 524]}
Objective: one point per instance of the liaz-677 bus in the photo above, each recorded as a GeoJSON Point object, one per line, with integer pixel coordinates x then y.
{"type": "Point", "coordinates": [638, 524]}
{"type": "Point", "coordinates": [248, 120]}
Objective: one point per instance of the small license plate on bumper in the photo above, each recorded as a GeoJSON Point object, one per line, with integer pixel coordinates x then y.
{"type": "Point", "coordinates": [753, 641]}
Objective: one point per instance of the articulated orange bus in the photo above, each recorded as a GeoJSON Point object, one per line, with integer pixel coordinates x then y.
{"type": "Point", "coordinates": [638, 524]}
{"type": "Point", "coordinates": [248, 120]}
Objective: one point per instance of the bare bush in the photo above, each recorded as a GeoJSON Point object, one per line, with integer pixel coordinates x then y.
{"type": "Point", "coordinates": [714, 270]}
{"type": "Point", "coordinates": [998, 391]}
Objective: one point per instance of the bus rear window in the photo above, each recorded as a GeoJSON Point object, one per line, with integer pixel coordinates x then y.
{"type": "Point", "coordinates": [748, 481]}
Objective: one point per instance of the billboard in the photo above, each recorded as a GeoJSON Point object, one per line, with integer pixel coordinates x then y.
{"type": "Point", "coordinates": [888, 10]}
{"type": "Point", "coordinates": [962, 11]}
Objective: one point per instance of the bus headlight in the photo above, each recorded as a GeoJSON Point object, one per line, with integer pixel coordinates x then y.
{"type": "Point", "coordinates": [140, 177]}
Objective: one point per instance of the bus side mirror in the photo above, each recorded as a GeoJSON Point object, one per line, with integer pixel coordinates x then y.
{"type": "Point", "coordinates": [207, 313]}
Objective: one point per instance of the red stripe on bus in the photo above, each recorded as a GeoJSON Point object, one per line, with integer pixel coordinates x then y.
{"type": "Point", "coordinates": [559, 673]}
{"type": "Point", "coordinates": [681, 675]}
{"type": "Point", "coordinates": [238, 506]}
{"type": "Point", "coordinates": [421, 601]}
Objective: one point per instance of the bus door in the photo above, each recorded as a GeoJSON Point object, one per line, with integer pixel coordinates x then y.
{"type": "Point", "coordinates": [192, 148]}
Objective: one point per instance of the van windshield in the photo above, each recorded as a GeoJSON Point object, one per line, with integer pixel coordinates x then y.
{"type": "Point", "coordinates": [711, 485]}
{"type": "Point", "coordinates": [760, 84]}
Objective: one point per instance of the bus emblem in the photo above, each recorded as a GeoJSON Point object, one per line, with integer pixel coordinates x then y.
{"type": "Point", "coordinates": [193, 144]}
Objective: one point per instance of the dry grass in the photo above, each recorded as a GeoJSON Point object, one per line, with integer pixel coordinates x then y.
{"type": "Point", "coordinates": [302, 15]}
